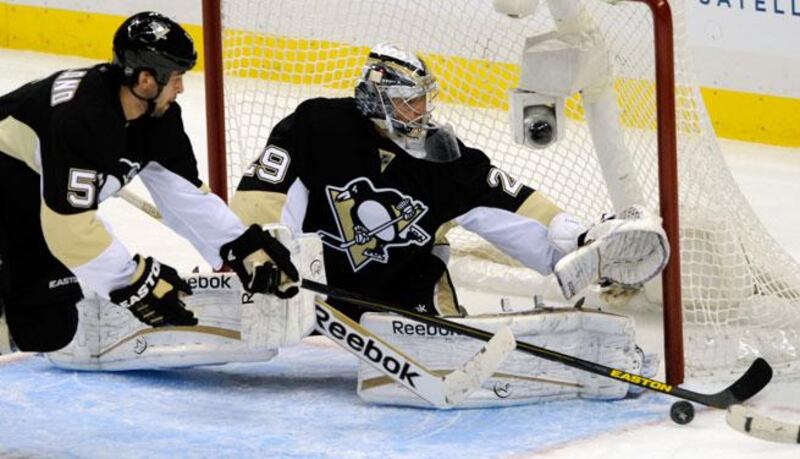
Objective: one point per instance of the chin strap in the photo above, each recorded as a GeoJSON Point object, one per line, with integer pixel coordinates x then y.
{"type": "Point", "coordinates": [151, 102]}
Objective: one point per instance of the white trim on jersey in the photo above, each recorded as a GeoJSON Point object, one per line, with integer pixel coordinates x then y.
{"type": "Point", "coordinates": [518, 237]}
{"type": "Point", "coordinates": [200, 217]}
{"type": "Point", "coordinates": [110, 270]}
{"type": "Point", "coordinates": [294, 210]}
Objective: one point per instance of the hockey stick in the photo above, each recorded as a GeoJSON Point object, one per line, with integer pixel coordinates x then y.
{"type": "Point", "coordinates": [747, 421]}
{"type": "Point", "coordinates": [136, 201]}
{"type": "Point", "coordinates": [749, 384]}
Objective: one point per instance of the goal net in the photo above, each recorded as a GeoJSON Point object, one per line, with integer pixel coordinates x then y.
{"type": "Point", "coordinates": [740, 292]}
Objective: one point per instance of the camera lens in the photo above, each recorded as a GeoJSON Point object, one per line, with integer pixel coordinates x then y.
{"type": "Point", "coordinates": [540, 133]}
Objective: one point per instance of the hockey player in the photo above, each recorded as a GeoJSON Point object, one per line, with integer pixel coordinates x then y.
{"type": "Point", "coordinates": [72, 140]}
{"type": "Point", "coordinates": [381, 181]}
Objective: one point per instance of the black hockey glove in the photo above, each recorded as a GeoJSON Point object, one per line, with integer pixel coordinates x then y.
{"type": "Point", "coordinates": [261, 262]}
{"type": "Point", "coordinates": [154, 296]}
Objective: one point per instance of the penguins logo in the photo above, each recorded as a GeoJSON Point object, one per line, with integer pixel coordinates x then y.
{"type": "Point", "coordinates": [371, 220]}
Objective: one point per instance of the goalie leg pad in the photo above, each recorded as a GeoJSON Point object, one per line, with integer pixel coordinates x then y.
{"type": "Point", "coordinates": [234, 325]}
{"type": "Point", "coordinates": [111, 338]}
{"type": "Point", "coordinates": [521, 378]}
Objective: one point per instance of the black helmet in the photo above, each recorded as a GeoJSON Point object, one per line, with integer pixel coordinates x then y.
{"type": "Point", "coordinates": [152, 41]}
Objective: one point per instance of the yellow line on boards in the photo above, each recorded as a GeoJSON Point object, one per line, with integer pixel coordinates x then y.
{"type": "Point", "coordinates": [751, 117]}
{"type": "Point", "coordinates": [58, 31]}
{"type": "Point", "coordinates": [473, 82]}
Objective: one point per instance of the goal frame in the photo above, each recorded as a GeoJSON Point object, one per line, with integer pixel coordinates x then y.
{"type": "Point", "coordinates": [666, 140]}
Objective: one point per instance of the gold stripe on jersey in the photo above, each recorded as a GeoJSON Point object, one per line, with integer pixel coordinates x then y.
{"type": "Point", "coordinates": [441, 233]}
{"type": "Point", "coordinates": [540, 208]}
{"type": "Point", "coordinates": [74, 239]}
{"type": "Point", "coordinates": [258, 207]}
{"type": "Point", "coordinates": [19, 141]}
{"type": "Point", "coordinates": [444, 298]}
{"type": "Point", "coordinates": [386, 158]}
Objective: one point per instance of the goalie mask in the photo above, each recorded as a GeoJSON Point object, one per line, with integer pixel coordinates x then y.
{"type": "Point", "coordinates": [397, 91]}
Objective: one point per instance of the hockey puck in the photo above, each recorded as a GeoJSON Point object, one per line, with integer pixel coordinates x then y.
{"type": "Point", "coordinates": [682, 412]}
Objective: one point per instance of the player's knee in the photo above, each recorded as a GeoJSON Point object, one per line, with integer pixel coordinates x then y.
{"type": "Point", "coordinates": [43, 329]}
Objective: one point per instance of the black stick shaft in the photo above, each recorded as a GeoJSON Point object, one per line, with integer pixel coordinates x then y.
{"type": "Point", "coordinates": [750, 383]}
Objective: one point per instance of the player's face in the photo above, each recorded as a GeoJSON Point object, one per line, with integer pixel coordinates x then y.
{"type": "Point", "coordinates": [168, 95]}
{"type": "Point", "coordinates": [409, 110]}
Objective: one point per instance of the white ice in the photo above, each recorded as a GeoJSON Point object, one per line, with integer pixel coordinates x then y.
{"type": "Point", "coordinates": [309, 409]}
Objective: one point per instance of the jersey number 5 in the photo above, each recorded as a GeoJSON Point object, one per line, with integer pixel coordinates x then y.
{"type": "Point", "coordinates": [82, 189]}
{"type": "Point", "coordinates": [498, 177]}
{"type": "Point", "coordinates": [271, 166]}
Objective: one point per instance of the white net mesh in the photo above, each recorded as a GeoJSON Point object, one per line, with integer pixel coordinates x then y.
{"type": "Point", "coordinates": [740, 290]}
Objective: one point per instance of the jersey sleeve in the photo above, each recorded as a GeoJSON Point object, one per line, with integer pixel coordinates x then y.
{"type": "Point", "coordinates": [512, 216]}
{"type": "Point", "coordinates": [73, 231]}
{"type": "Point", "coordinates": [187, 206]}
{"type": "Point", "coordinates": [272, 189]}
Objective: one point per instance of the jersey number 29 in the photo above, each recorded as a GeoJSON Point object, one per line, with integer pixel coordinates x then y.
{"type": "Point", "coordinates": [272, 166]}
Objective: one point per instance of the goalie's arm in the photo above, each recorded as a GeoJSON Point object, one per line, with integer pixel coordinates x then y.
{"type": "Point", "coordinates": [537, 234]}
{"type": "Point", "coordinates": [529, 227]}
{"type": "Point", "coordinates": [271, 189]}
{"type": "Point", "coordinates": [520, 221]}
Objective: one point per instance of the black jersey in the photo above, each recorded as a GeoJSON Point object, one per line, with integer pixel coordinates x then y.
{"type": "Point", "coordinates": [71, 129]}
{"type": "Point", "coordinates": [382, 213]}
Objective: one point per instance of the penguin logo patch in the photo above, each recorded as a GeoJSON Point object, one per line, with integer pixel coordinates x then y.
{"type": "Point", "coordinates": [370, 220]}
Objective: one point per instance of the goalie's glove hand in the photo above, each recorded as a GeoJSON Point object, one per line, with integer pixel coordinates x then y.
{"type": "Point", "coordinates": [610, 221]}
{"type": "Point", "coordinates": [263, 264]}
{"type": "Point", "coordinates": [154, 296]}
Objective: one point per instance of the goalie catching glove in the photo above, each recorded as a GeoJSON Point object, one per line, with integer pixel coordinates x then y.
{"type": "Point", "coordinates": [154, 296]}
{"type": "Point", "coordinates": [626, 250]}
{"type": "Point", "coordinates": [262, 263]}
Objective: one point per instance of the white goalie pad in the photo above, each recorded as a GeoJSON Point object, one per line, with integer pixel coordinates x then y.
{"type": "Point", "coordinates": [627, 251]}
{"type": "Point", "coordinates": [521, 378]}
{"type": "Point", "coordinates": [272, 322]}
{"type": "Point", "coordinates": [441, 389]}
{"type": "Point", "coordinates": [109, 337]}
{"type": "Point", "coordinates": [233, 325]}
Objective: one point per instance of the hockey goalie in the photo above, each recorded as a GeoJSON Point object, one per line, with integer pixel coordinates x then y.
{"type": "Point", "coordinates": [373, 183]}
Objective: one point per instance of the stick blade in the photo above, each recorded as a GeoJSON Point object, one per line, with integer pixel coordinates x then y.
{"type": "Point", "coordinates": [752, 381]}
{"type": "Point", "coordinates": [474, 372]}
{"type": "Point", "coordinates": [749, 384]}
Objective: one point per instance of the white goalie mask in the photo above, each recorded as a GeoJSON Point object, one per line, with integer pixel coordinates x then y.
{"type": "Point", "coordinates": [397, 91]}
